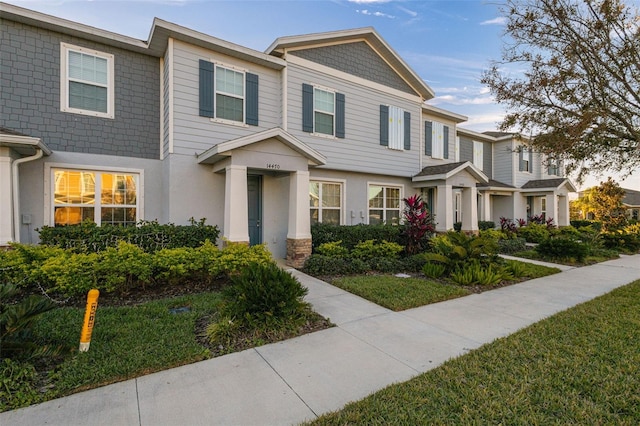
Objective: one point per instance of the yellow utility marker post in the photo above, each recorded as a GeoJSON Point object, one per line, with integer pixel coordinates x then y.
{"type": "Point", "coordinates": [89, 319]}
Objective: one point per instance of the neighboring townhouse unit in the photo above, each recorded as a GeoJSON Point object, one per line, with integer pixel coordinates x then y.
{"type": "Point", "coordinates": [331, 127]}
{"type": "Point", "coordinates": [631, 203]}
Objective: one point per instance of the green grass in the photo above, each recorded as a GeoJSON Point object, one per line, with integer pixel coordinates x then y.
{"type": "Point", "coordinates": [531, 270]}
{"type": "Point", "coordinates": [399, 294]}
{"type": "Point", "coordinates": [127, 341]}
{"type": "Point", "coordinates": [600, 256]}
{"type": "Point", "coordinates": [581, 366]}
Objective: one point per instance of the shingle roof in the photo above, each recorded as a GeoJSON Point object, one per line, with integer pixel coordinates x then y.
{"type": "Point", "coordinates": [631, 198]}
{"type": "Point", "coordinates": [498, 134]}
{"type": "Point", "coordinates": [439, 169]}
{"type": "Point", "coordinates": [7, 131]}
{"type": "Point", "coordinates": [494, 184]}
{"type": "Point", "coordinates": [544, 183]}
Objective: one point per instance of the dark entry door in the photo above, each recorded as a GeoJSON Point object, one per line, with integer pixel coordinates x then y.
{"type": "Point", "coordinates": [254, 194]}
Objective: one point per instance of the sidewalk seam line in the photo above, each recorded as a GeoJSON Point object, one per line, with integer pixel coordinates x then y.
{"type": "Point", "coordinates": [138, 404]}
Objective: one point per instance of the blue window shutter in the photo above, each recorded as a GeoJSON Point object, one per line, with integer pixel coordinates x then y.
{"type": "Point", "coordinates": [445, 143]}
{"type": "Point", "coordinates": [307, 108]}
{"type": "Point", "coordinates": [530, 161]}
{"type": "Point", "coordinates": [521, 160]}
{"type": "Point", "coordinates": [340, 122]}
{"type": "Point", "coordinates": [206, 88]}
{"type": "Point", "coordinates": [252, 98]}
{"type": "Point", "coordinates": [428, 138]}
{"type": "Point", "coordinates": [407, 130]}
{"type": "Point", "coordinates": [384, 125]}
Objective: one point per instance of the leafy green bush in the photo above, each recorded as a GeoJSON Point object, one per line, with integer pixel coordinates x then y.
{"type": "Point", "coordinates": [562, 248]}
{"type": "Point", "coordinates": [455, 248]}
{"type": "Point", "coordinates": [385, 264]}
{"type": "Point", "coordinates": [621, 240]}
{"type": "Point", "coordinates": [597, 225]}
{"type": "Point", "coordinates": [318, 265]}
{"type": "Point", "coordinates": [413, 263]}
{"type": "Point", "coordinates": [512, 245]}
{"type": "Point", "coordinates": [483, 225]}
{"type": "Point", "coordinates": [148, 235]}
{"type": "Point", "coordinates": [516, 269]}
{"type": "Point", "coordinates": [369, 249]}
{"type": "Point", "coordinates": [352, 235]}
{"type": "Point", "coordinates": [333, 249]}
{"type": "Point", "coordinates": [533, 232]}
{"type": "Point", "coordinates": [495, 234]}
{"type": "Point", "coordinates": [474, 273]}
{"type": "Point", "coordinates": [433, 270]}
{"type": "Point", "coordinates": [263, 295]}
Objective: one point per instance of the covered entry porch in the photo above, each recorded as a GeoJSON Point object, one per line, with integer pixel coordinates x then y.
{"type": "Point", "coordinates": [266, 195]}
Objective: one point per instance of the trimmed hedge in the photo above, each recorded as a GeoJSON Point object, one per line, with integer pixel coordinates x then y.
{"type": "Point", "coordinates": [318, 265]}
{"type": "Point", "coordinates": [581, 223]}
{"type": "Point", "coordinates": [352, 235]}
{"type": "Point", "coordinates": [150, 236]}
{"type": "Point", "coordinates": [483, 225]}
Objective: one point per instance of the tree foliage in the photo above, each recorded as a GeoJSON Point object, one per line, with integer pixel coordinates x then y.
{"type": "Point", "coordinates": [605, 203]}
{"type": "Point", "coordinates": [580, 90]}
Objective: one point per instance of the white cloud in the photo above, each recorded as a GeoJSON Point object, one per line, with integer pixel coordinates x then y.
{"type": "Point", "coordinates": [500, 20]}
{"type": "Point", "coordinates": [411, 13]}
{"type": "Point", "coordinates": [378, 14]}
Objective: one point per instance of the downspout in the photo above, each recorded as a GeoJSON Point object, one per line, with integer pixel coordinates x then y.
{"type": "Point", "coordinates": [14, 191]}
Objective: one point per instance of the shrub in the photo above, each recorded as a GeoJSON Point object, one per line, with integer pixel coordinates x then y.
{"type": "Point", "coordinates": [474, 273]}
{"type": "Point", "coordinates": [352, 235]}
{"type": "Point", "coordinates": [507, 225]}
{"type": "Point", "coordinates": [516, 269]}
{"type": "Point", "coordinates": [369, 249]}
{"type": "Point", "coordinates": [621, 240]}
{"type": "Point", "coordinates": [413, 263]}
{"type": "Point", "coordinates": [317, 265]}
{"type": "Point", "coordinates": [583, 223]}
{"type": "Point", "coordinates": [511, 245]}
{"type": "Point", "coordinates": [433, 270]}
{"type": "Point", "coordinates": [494, 234]}
{"type": "Point", "coordinates": [385, 264]}
{"type": "Point", "coordinates": [533, 232]}
{"type": "Point", "coordinates": [484, 225]}
{"type": "Point", "coordinates": [150, 236]}
{"type": "Point", "coordinates": [457, 226]}
{"type": "Point", "coordinates": [419, 224]}
{"type": "Point", "coordinates": [237, 256]}
{"type": "Point", "coordinates": [563, 248]}
{"type": "Point", "coordinates": [455, 248]}
{"type": "Point", "coordinates": [263, 295]}
{"type": "Point", "coordinates": [333, 249]}
{"type": "Point", "coordinates": [124, 267]}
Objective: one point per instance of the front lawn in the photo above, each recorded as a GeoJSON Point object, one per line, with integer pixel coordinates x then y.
{"type": "Point", "coordinates": [597, 257]}
{"type": "Point", "coordinates": [581, 366]}
{"type": "Point", "coordinates": [399, 294]}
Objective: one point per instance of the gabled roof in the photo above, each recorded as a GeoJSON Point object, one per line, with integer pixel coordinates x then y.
{"type": "Point", "coordinates": [223, 150]}
{"type": "Point", "coordinates": [496, 185]}
{"type": "Point", "coordinates": [548, 184]}
{"type": "Point", "coordinates": [631, 198]}
{"type": "Point", "coordinates": [445, 171]}
{"type": "Point", "coordinates": [366, 34]}
{"type": "Point", "coordinates": [443, 113]}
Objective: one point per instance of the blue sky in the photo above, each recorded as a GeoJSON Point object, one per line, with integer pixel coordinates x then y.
{"type": "Point", "coordinates": [447, 43]}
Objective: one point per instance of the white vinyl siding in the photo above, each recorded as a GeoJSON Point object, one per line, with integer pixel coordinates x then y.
{"type": "Point", "coordinates": [86, 81]}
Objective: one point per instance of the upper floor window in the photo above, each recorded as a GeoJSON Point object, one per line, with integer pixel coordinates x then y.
{"type": "Point", "coordinates": [86, 81]}
{"type": "Point", "coordinates": [228, 95]}
{"type": "Point", "coordinates": [325, 202]}
{"type": "Point", "coordinates": [526, 160]}
{"type": "Point", "coordinates": [395, 128]}
{"type": "Point", "coordinates": [384, 204]}
{"type": "Point", "coordinates": [478, 154]}
{"type": "Point", "coordinates": [436, 136]}
{"type": "Point", "coordinates": [103, 197]}
{"type": "Point", "coordinates": [554, 168]}
{"type": "Point", "coordinates": [323, 111]}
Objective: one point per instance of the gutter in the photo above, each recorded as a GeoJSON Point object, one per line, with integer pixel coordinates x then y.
{"type": "Point", "coordinates": [14, 193]}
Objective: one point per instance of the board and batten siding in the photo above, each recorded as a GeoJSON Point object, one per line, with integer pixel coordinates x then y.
{"type": "Point", "coordinates": [196, 134]}
{"type": "Point", "coordinates": [504, 161]}
{"type": "Point", "coordinates": [360, 149]}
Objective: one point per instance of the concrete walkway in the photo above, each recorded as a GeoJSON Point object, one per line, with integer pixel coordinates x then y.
{"type": "Point", "coordinates": [301, 378]}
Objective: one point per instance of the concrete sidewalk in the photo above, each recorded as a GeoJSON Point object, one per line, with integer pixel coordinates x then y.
{"type": "Point", "coordinates": [301, 378]}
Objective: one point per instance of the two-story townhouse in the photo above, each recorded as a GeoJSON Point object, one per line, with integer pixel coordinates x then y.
{"type": "Point", "coordinates": [329, 127]}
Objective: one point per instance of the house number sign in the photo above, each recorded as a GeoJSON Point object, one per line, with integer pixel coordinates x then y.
{"type": "Point", "coordinates": [273, 166]}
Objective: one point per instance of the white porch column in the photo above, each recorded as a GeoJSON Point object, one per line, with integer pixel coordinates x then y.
{"type": "Point", "coordinates": [519, 206]}
{"type": "Point", "coordinates": [6, 202]}
{"type": "Point", "coordinates": [236, 206]}
{"type": "Point", "coordinates": [299, 232]}
{"type": "Point", "coordinates": [444, 208]}
{"type": "Point", "coordinates": [552, 207]}
{"type": "Point", "coordinates": [485, 207]}
{"type": "Point", "coordinates": [470, 209]}
{"type": "Point", "coordinates": [563, 211]}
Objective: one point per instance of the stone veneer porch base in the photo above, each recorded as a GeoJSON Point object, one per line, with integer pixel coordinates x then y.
{"type": "Point", "coordinates": [298, 250]}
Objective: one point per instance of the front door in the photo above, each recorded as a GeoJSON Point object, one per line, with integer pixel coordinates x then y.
{"type": "Point", "coordinates": [254, 194]}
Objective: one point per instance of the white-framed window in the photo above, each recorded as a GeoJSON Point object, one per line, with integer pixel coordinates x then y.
{"type": "Point", "coordinates": [457, 207]}
{"type": "Point", "coordinates": [326, 202]}
{"type": "Point", "coordinates": [478, 154]}
{"type": "Point", "coordinates": [543, 207]}
{"type": "Point", "coordinates": [553, 167]}
{"type": "Point", "coordinates": [229, 94]}
{"type": "Point", "coordinates": [324, 111]}
{"type": "Point", "coordinates": [396, 128]}
{"type": "Point", "coordinates": [385, 204]}
{"type": "Point", "coordinates": [86, 81]}
{"type": "Point", "coordinates": [525, 160]}
{"type": "Point", "coordinates": [105, 197]}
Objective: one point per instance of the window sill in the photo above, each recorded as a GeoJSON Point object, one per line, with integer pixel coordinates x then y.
{"type": "Point", "coordinates": [228, 122]}
{"type": "Point", "coordinates": [88, 113]}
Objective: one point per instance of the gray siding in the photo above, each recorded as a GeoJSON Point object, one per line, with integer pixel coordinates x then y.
{"type": "Point", "coordinates": [504, 161]}
{"type": "Point", "coordinates": [195, 134]}
{"type": "Point", "coordinates": [466, 149]}
{"type": "Point", "coordinates": [30, 96]}
{"type": "Point", "coordinates": [360, 150]}
{"type": "Point", "coordinates": [357, 59]}
{"type": "Point", "coordinates": [487, 159]}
